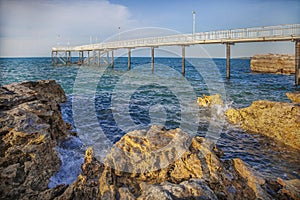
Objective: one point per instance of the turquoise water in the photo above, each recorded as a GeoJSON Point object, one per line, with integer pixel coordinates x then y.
{"type": "Point", "coordinates": [115, 101]}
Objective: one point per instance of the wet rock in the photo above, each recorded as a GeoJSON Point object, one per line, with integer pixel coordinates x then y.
{"type": "Point", "coordinates": [145, 162]}
{"type": "Point", "coordinates": [253, 181]}
{"type": "Point", "coordinates": [294, 96]}
{"type": "Point", "coordinates": [191, 189]}
{"type": "Point", "coordinates": [87, 184]}
{"type": "Point", "coordinates": [290, 188]}
{"type": "Point", "coordinates": [198, 173]}
{"type": "Point", "coordinates": [280, 121]}
{"type": "Point", "coordinates": [273, 63]}
{"type": "Point", "coordinates": [210, 101]}
{"type": "Point", "coordinates": [30, 127]}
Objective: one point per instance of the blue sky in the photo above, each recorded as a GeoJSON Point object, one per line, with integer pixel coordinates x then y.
{"type": "Point", "coordinates": [32, 27]}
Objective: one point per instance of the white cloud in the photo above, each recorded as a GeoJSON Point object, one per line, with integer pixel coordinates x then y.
{"type": "Point", "coordinates": [32, 26]}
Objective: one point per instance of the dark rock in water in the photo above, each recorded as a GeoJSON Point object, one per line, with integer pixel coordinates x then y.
{"type": "Point", "coordinates": [30, 126]}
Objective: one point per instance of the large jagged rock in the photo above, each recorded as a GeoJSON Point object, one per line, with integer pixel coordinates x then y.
{"type": "Point", "coordinates": [30, 126]}
{"type": "Point", "coordinates": [198, 173]}
{"type": "Point", "coordinates": [144, 165]}
{"type": "Point", "coordinates": [280, 121]}
{"type": "Point", "coordinates": [273, 63]}
{"type": "Point", "coordinates": [87, 184]}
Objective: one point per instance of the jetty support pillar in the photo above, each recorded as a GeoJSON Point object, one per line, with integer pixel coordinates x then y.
{"type": "Point", "coordinates": [228, 60]}
{"type": "Point", "coordinates": [81, 58]}
{"type": "Point", "coordinates": [99, 57]}
{"type": "Point", "coordinates": [297, 62]}
{"type": "Point", "coordinates": [107, 57]}
{"type": "Point", "coordinates": [152, 59]}
{"type": "Point", "coordinates": [89, 58]}
{"type": "Point", "coordinates": [68, 58]}
{"type": "Point", "coordinates": [56, 57]}
{"type": "Point", "coordinates": [183, 60]}
{"type": "Point", "coordinates": [112, 59]}
{"type": "Point", "coordinates": [52, 57]}
{"type": "Point", "coordinates": [129, 59]}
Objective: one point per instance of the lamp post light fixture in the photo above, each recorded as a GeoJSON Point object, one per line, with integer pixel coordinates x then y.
{"type": "Point", "coordinates": [194, 22]}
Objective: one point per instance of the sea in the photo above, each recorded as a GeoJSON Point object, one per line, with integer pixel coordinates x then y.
{"type": "Point", "coordinates": [106, 102]}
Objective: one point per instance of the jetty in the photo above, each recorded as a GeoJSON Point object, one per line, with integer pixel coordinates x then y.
{"type": "Point", "coordinates": [91, 54]}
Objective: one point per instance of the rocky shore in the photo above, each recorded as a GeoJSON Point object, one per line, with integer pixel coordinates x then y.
{"type": "Point", "coordinates": [273, 63]}
{"type": "Point", "coordinates": [30, 128]}
{"type": "Point", "coordinates": [144, 164]}
{"type": "Point", "coordinates": [277, 120]}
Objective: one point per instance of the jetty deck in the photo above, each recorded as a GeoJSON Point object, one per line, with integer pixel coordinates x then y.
{"type": "Point", "coordinates": [289, 32]}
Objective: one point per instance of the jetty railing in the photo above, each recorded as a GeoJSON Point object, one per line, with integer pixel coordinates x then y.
{"type": "Point", "coordinates": [288, 32]}
{"type": "Point", "coordinates": [267, 33]}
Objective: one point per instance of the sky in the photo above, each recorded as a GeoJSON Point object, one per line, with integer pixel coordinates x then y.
{"type": "Point", "coordinates": [30, 28]}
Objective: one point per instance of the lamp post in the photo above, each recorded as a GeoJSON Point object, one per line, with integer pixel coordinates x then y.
{"type": "Point", "coordinates": [194, 22]}
{"type": "Point", "coordinates": [119, 33]}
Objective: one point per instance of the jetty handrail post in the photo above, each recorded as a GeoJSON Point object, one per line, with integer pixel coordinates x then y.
{"type": "Point", "coordinates": [183, 60]}
{"type": "Point", "coordinates": [297, 62]}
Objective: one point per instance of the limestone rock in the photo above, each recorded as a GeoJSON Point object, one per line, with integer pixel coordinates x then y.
{"type": "Point", "coordinates": [197, 173]}
{"type": "Point", "coordinates": [87, 184]}
{"type": "Point", "coordinates": [294, 96]}
{"type": "Point", "coordinates": [254, 181]}
{"type": "Point", "coordinates": [280, 121]}
{"type": "Point", "coordinates": [290, 188]}
{"type": "Point", "coordinates": [191, 189]}
{"type": "Point", "coordinates": [210, 101]}
{"type": "Point", "coordinates": [273, 63]}
{"type": "Point", "coordinates": [30, 126]}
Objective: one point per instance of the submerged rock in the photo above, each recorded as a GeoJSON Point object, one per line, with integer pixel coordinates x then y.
{"type": "Point", "coordinates": [210, 101]}
{"type": "Point", "coordinates": [277, 120]}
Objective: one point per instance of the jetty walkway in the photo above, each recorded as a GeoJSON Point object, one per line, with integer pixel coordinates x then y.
{"type": "Point", "coordinates": [91, 54]}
